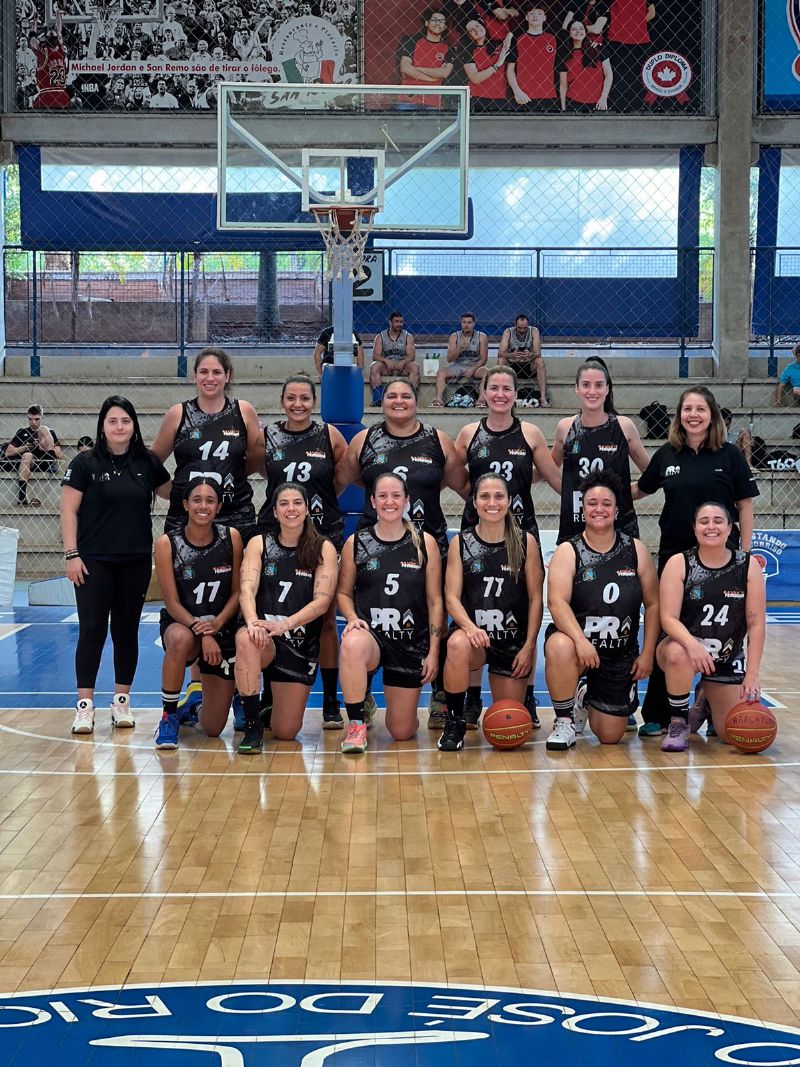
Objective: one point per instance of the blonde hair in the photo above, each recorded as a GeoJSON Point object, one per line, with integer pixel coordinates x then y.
{"type": "Point", "coordinates": [512, 537]}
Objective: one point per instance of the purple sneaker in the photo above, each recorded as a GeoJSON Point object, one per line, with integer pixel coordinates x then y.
{"type": "Point", "coordinates": [677, 739]}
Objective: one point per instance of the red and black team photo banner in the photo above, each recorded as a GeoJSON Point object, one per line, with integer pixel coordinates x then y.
{"type": "Point", "coordinates": [139, 55]}
{"type": "Point", "coordinates": [590, 55]}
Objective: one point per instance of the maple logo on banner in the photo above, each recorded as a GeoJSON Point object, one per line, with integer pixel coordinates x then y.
{"type": "Point", "coordinates": [667, 74]}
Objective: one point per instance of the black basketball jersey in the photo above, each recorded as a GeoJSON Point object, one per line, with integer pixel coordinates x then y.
{"type": "Point", "coordinates": [493, 598]}
{"type": "Point", "coordinates": [420, 460]}
{"type": "Point", "coordinates": [607, 595]}
{"type": "Point", "coordinates": [588, 449]}
{"type": "Point", "coordinates": [203, 573]}
{"type": "Point", "coordinates": [213, 444]}
{"type": "Point", "coordinates": [508, 454]}
{"type": "Point", "coordinates": [285, 588]}
{"type": "Point", "coordinates": [304, 457]}
{"type": "Point", "coordinates": [713, 608]}
{"type": "Point", "coordinates": [390, 589]}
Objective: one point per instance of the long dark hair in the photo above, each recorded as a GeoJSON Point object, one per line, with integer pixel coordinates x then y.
{"type": "Point", "coordinates": [716, 435]}
{"type": "Point", "coordinates": [596, 363]}
{"type": "Point", "coordinates": [590, 50]}
{"type": "Point", "coordinates": [137, 445]}
{"type": "Point", "coordinates": [309, 547]}
{"type": "Point", "coordinates": [222, 357]}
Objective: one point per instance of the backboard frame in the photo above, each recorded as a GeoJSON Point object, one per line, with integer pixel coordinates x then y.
{"type": "Point", "coordinates": [454, 134]}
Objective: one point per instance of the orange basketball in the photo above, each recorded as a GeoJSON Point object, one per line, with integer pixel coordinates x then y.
{"type": "Point", "coordinates": [507, 724]}
{"type": "Point", "coordinates": [750, 727]}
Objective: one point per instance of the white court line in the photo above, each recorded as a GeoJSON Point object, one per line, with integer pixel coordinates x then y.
{"type": "Point", "coordinates": [13, 628]}
{"type": "Point", "coordinates": [351, 762]}
{"type": "Point", "coordinates": [375, 894]}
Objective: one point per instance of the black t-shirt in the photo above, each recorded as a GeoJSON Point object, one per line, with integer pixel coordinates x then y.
{"type": "Point", "coordinates": [326, 340]}
{"type": "Point", "coordinates": [690, 479]}
{"type": "Point", "coordinates": [26, 437]}
{"type": "Point", "coordinates": [114, 513]}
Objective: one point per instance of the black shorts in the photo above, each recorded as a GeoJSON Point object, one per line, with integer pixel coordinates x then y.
{"type": "Point", "coordinates": [402, 666]}
{"type": "Point", "coordinates": [730, 672]}
{"type": "Point", "coordinates": [292, 664]}
{"type": "Point", "coordinates": [225, 640]}
{"type": "Point", "coordinates": [609, 687]}
{"type": "Point", "coordinates": [499, 659]}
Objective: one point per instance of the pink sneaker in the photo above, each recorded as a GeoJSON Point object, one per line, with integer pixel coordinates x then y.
{"type": "Point", "coordinates": [356, 738]}
{"type": "Point", "coordinates": [677, 739]}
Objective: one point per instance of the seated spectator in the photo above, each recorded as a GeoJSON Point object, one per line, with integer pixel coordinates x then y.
{"type": "Point", "coordinates": [467, 352]}
{"type": "Point", "coordinates": [743, 439]}
{"type": "Point", "coordinates": [323, 350]}
{"type": "Point", "coordinates": [85, 443]}
{"type": "Point", "coordinates": [521, 349]}
{"type": "Point", "coordinates": [36, 448]}
{"type": "Point", "coordinates": [790, 375]}
{"type": "Point", "coordinates": [394, 355]}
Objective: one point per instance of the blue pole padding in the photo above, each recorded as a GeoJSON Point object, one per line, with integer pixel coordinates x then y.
{"type": "Point", "coordinates": [342, 399]}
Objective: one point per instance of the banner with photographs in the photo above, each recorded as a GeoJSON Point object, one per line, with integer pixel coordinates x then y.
{"type": "Point", "coordinates": [546, 55]}
{"type": "Point", "coordinates": [148, 55]}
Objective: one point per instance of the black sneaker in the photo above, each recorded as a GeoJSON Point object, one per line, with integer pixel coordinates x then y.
{"type": "Point", "coordinates": [530, 705]}
{"type": "Point", "coordinates": [452, 738]}
{"type": "Point", "coordinates": [253, 740]}
{"type": "Point", "coordinates": [473, 709]}
{"type": "Point", "coordinates": [332, 715]}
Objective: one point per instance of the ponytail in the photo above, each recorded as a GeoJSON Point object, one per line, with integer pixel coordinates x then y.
{"type": "Point", "coordinates": [416, 540]}
{"type": "Point", "coordinates": [515, 548]}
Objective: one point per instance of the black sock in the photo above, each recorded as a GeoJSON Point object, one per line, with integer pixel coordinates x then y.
{"type": "Point", "coordinates": [330, 682]}
{"type": "Point", "coordinates": [252, 707]}
{"type": "Point", "coordinates": [169, 702]}
{"type": "Point", "coordinates": [678, 705]}
{"type": "Point", "coordinates": [22, 490]}
{"type": "Point", "coordinates": [529, 694]}
{"type": "Point", "coordinates": [474, 693]}
{"type": "Point", "coordinates": [455, 705]}
{"type": "Point", "coordinates": [355, 710]}
{"type": "Point", "coordinates": [266, 686]}
{"type": "Point", "coordinates": [564, 709]}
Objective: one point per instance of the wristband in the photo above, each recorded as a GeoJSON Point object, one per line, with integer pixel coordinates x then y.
{"type": "Point", "coordinates": [71, 555]}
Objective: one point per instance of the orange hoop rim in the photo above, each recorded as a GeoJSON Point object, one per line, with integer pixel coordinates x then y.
{"type": "Point", "coordinates": [346, 215]}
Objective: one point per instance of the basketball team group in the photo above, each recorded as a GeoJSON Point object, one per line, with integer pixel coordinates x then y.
{"type": "Point", "coordinates": [251, 599]}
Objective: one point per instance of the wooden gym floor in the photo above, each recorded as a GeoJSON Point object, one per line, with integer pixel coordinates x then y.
{"type": "Point", "coordinates": [617, 872]}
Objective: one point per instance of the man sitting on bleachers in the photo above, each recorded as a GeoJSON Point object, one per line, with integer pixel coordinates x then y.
{"type": "Point", "coordinates": [33, 447]}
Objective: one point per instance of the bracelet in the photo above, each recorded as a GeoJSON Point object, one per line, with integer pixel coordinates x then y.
{"type": "Point", "coordinates": [71, 555]}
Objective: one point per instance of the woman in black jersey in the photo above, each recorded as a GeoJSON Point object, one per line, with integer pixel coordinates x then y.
{"type": "Point", "coordinates": [390, 595]}
{"type": "Point", "coordinates": [712, 598]}
{"type": "Point", "coordinates": [212, 434]}
{"type": "Point", "coordinates": [106, 503]}
{"type": "Point", "coordinates": [300, 449]}
{"type": "Point", "coordinates": [288, 580]}
{"type": "Point", "coordinates": [198, 571]}
{"type": "Point", "coordinates": [596, 585]}
{"type": "Point", "coordinates": [493, 590]}
{"type": "Point", "coordinates": [426, 458]}
{"type": "Point", "coordinates": [597, 438]}
{"type": "Point", "coordinates": [697, 464]}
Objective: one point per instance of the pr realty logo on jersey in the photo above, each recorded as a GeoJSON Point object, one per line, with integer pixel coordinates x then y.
{"type": "Point", "coordinates": [251, 1024]}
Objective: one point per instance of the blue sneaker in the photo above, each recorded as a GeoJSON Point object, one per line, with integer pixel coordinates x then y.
{"type": "Point", "coordinates": [238, 714]}
{"type": "Point", "coordinates": [189, 704]}
{"type": "Point", "coordinates": [167, 732]}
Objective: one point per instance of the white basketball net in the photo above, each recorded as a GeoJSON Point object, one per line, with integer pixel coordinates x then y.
{"type": "Point", "coordinates": [344, 229]}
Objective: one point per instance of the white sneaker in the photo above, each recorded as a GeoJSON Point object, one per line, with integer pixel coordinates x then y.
{"type": "Point", "coordinates": [562, 737]}
{"type": "Point", "coordinates": [580, 713]}
{"type": "Point", "coordinates": [83, 723]}
{"type": "Point", "coordinates": [121, 712]}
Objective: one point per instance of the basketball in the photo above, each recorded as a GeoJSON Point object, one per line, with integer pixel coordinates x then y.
{"type": "Point", "coordinates": [507, 724]}
{"type": "Point", "coordinates": [750, 727]}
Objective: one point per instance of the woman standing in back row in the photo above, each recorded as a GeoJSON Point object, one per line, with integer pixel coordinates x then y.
{"type": "Point", "coordinates": [215, 435]}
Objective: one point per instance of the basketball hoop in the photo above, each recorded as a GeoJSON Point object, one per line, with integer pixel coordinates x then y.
{"type": "Point", "coordinates": [345, 229]}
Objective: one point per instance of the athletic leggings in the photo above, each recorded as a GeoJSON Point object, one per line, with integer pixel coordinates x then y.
{"type": "Point", "coordinates": [116, 590]}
